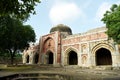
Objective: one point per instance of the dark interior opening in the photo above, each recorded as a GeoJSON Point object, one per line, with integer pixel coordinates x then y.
{"type": "Point", "coordinates": [103, 57]}
{"type": "Point", "coordinates": [50, 58]}
{"type": "Point", "coordinates": [36, 58]}
{"type": "Point", "coordinates": [73, 59]}
{"type": "Point", "coordinates": [27, 58]}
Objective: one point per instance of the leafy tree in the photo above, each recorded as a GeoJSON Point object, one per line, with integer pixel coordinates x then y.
{"type": "Point", "coordinates": [14, 35]}
{"type": "Point", "coordinates": [19, 9]}
{"type": "Point", "coordinates": [18, 58]}
{"type": "Point", "coordinates": [4, 56]}
{"type": "Point", "coordinates": [112, 20]}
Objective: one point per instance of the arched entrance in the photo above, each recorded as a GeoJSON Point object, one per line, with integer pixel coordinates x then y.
{"type": "Point", "coordinates": [50, 58]}
{"type": "Point", "coordinates": [36, 58]}
{"type": "Point", "coordinates": [72, 58]}
{"type": "Point", "coordinates": [103, 57]}
{"type": "Point", "coordinates": [27, 59]}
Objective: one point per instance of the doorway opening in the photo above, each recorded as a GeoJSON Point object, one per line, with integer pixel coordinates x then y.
{"type": "Point", "coordinates": [73, 59]}
{"type": "Point", "coordinates": [103, 57]}
{"type": "Point", "coordinates": [50, 58]}
{"type": "Point", "coordinates": [36, 58]}
{"type": "Point", "coordinates": [27, 61]}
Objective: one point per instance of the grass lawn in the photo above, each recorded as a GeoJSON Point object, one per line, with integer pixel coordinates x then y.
{"type": "Point", "coordinates": [15, 68]}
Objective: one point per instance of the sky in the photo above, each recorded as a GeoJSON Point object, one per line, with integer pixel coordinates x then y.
{"type": "Point", "coordinates": [79, 15]}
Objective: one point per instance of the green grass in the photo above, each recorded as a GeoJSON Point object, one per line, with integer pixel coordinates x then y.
{"type": "Point", "coordinates": [16, 68]}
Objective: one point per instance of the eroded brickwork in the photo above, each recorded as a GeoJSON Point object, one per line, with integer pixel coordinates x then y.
{"type": "Point", "coordinates": [85, 50]}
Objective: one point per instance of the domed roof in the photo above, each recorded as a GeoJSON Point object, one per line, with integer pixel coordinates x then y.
{"type": "Point", "coordinates": [61, 28]}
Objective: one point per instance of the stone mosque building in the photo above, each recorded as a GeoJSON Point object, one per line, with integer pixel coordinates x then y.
{"type": "Point", "coordinates": [62, 48]}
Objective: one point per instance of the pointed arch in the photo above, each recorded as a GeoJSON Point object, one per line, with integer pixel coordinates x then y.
{"type": "Point", "coordinates": [50, 57]}
{"type": "Point", "coordinates": [102, 54]}
{"type": "Point", "coordinates": [71, 56]}
{"type": "Point", "coordinates": [47, 39]}
{"type": "Point", "coordinates": [103, 57]}
{"type": "Point", "coordinates": [102, 45]}
{"type": "Point", "coordinates": [48, 44]}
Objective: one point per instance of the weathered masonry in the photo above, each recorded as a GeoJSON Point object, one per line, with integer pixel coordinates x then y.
{"type": "Point", "coordinates": [61, 47]}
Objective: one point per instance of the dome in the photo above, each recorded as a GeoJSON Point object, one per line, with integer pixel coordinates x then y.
{"type": "Point", "coordinates": [61, 28]}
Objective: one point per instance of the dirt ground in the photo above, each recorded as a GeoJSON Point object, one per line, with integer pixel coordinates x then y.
{"type": "Point", "coordinates": [85, 74]}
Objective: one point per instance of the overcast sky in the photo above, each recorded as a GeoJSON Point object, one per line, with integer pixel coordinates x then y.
{"type": "Point", "coordinates": [79, 15]}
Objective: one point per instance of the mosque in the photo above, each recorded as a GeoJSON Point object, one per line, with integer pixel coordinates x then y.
{"type": "Point", "coordinates": [62, 48]}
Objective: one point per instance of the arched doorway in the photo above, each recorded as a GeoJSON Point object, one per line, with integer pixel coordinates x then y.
{"type": "Point", "coordinates": [27, 61]}
{"type": "Point", "coordinates": [72, 57]}
{"type": "Point", "coordinates": [50, 58]}
{"type": "Point", "coordinates": [36, 58]}
{"type": "Point", "coordinates": [103, 57]}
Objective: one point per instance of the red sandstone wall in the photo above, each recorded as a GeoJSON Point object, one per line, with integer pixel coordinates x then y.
{"type": "Point", "coordinates": [84, 38]}
{"type": "Point", "coordinates": [74, 41]}
{"type": "Point", "coordinates": [51, 42]}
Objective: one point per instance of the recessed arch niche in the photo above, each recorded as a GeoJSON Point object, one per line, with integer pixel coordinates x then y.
{"type": "Point", "coordinates": [103, 57]}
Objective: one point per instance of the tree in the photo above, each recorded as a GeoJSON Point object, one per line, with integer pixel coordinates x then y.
{"type": "Point", "coordinates": [14, 35]}
{"type": "Point", "coordinates": [112, 20]}
{"type": "Point", "coordinates": [19, 9]}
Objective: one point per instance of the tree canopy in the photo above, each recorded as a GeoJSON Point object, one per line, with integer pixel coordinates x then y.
{"type": "Point", "coordinates": [112, 20]}
{"type": "Point", "coordinates": [14, 35]}
{"type": "Point", "coordinates": [19, 9]}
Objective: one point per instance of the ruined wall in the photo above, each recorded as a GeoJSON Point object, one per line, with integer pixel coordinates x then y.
{"type": "Point", "coordinates": [87, 49]}
{"type": "Point", "coordinates": [30, 55]}
{"type": "Point", "coordinates": [86, 46]}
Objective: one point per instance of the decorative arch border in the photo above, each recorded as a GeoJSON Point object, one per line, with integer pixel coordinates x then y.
{"type": "Point", "coordinates": [70, 49]}
{"type": "Point", "coordinates": [66, 52]}
{"type": "Point", "coordinates": [47, 40]}
{"type": "Point", "coordinates": [49, 52]}
{"type": "Point", "coordinates": [102, 45]}
{"type": "Point", "coordinates": [44, 42]}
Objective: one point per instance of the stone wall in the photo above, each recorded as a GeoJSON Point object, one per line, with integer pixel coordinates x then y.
{"type": "Point", "coordinates": [86, 46]}
{"type": "Point", "coordinates": [89, 49]}
{"type": "Point", "coordinates": [50, 43]}
{"type": "Point", "coordinates": [30, 55]}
